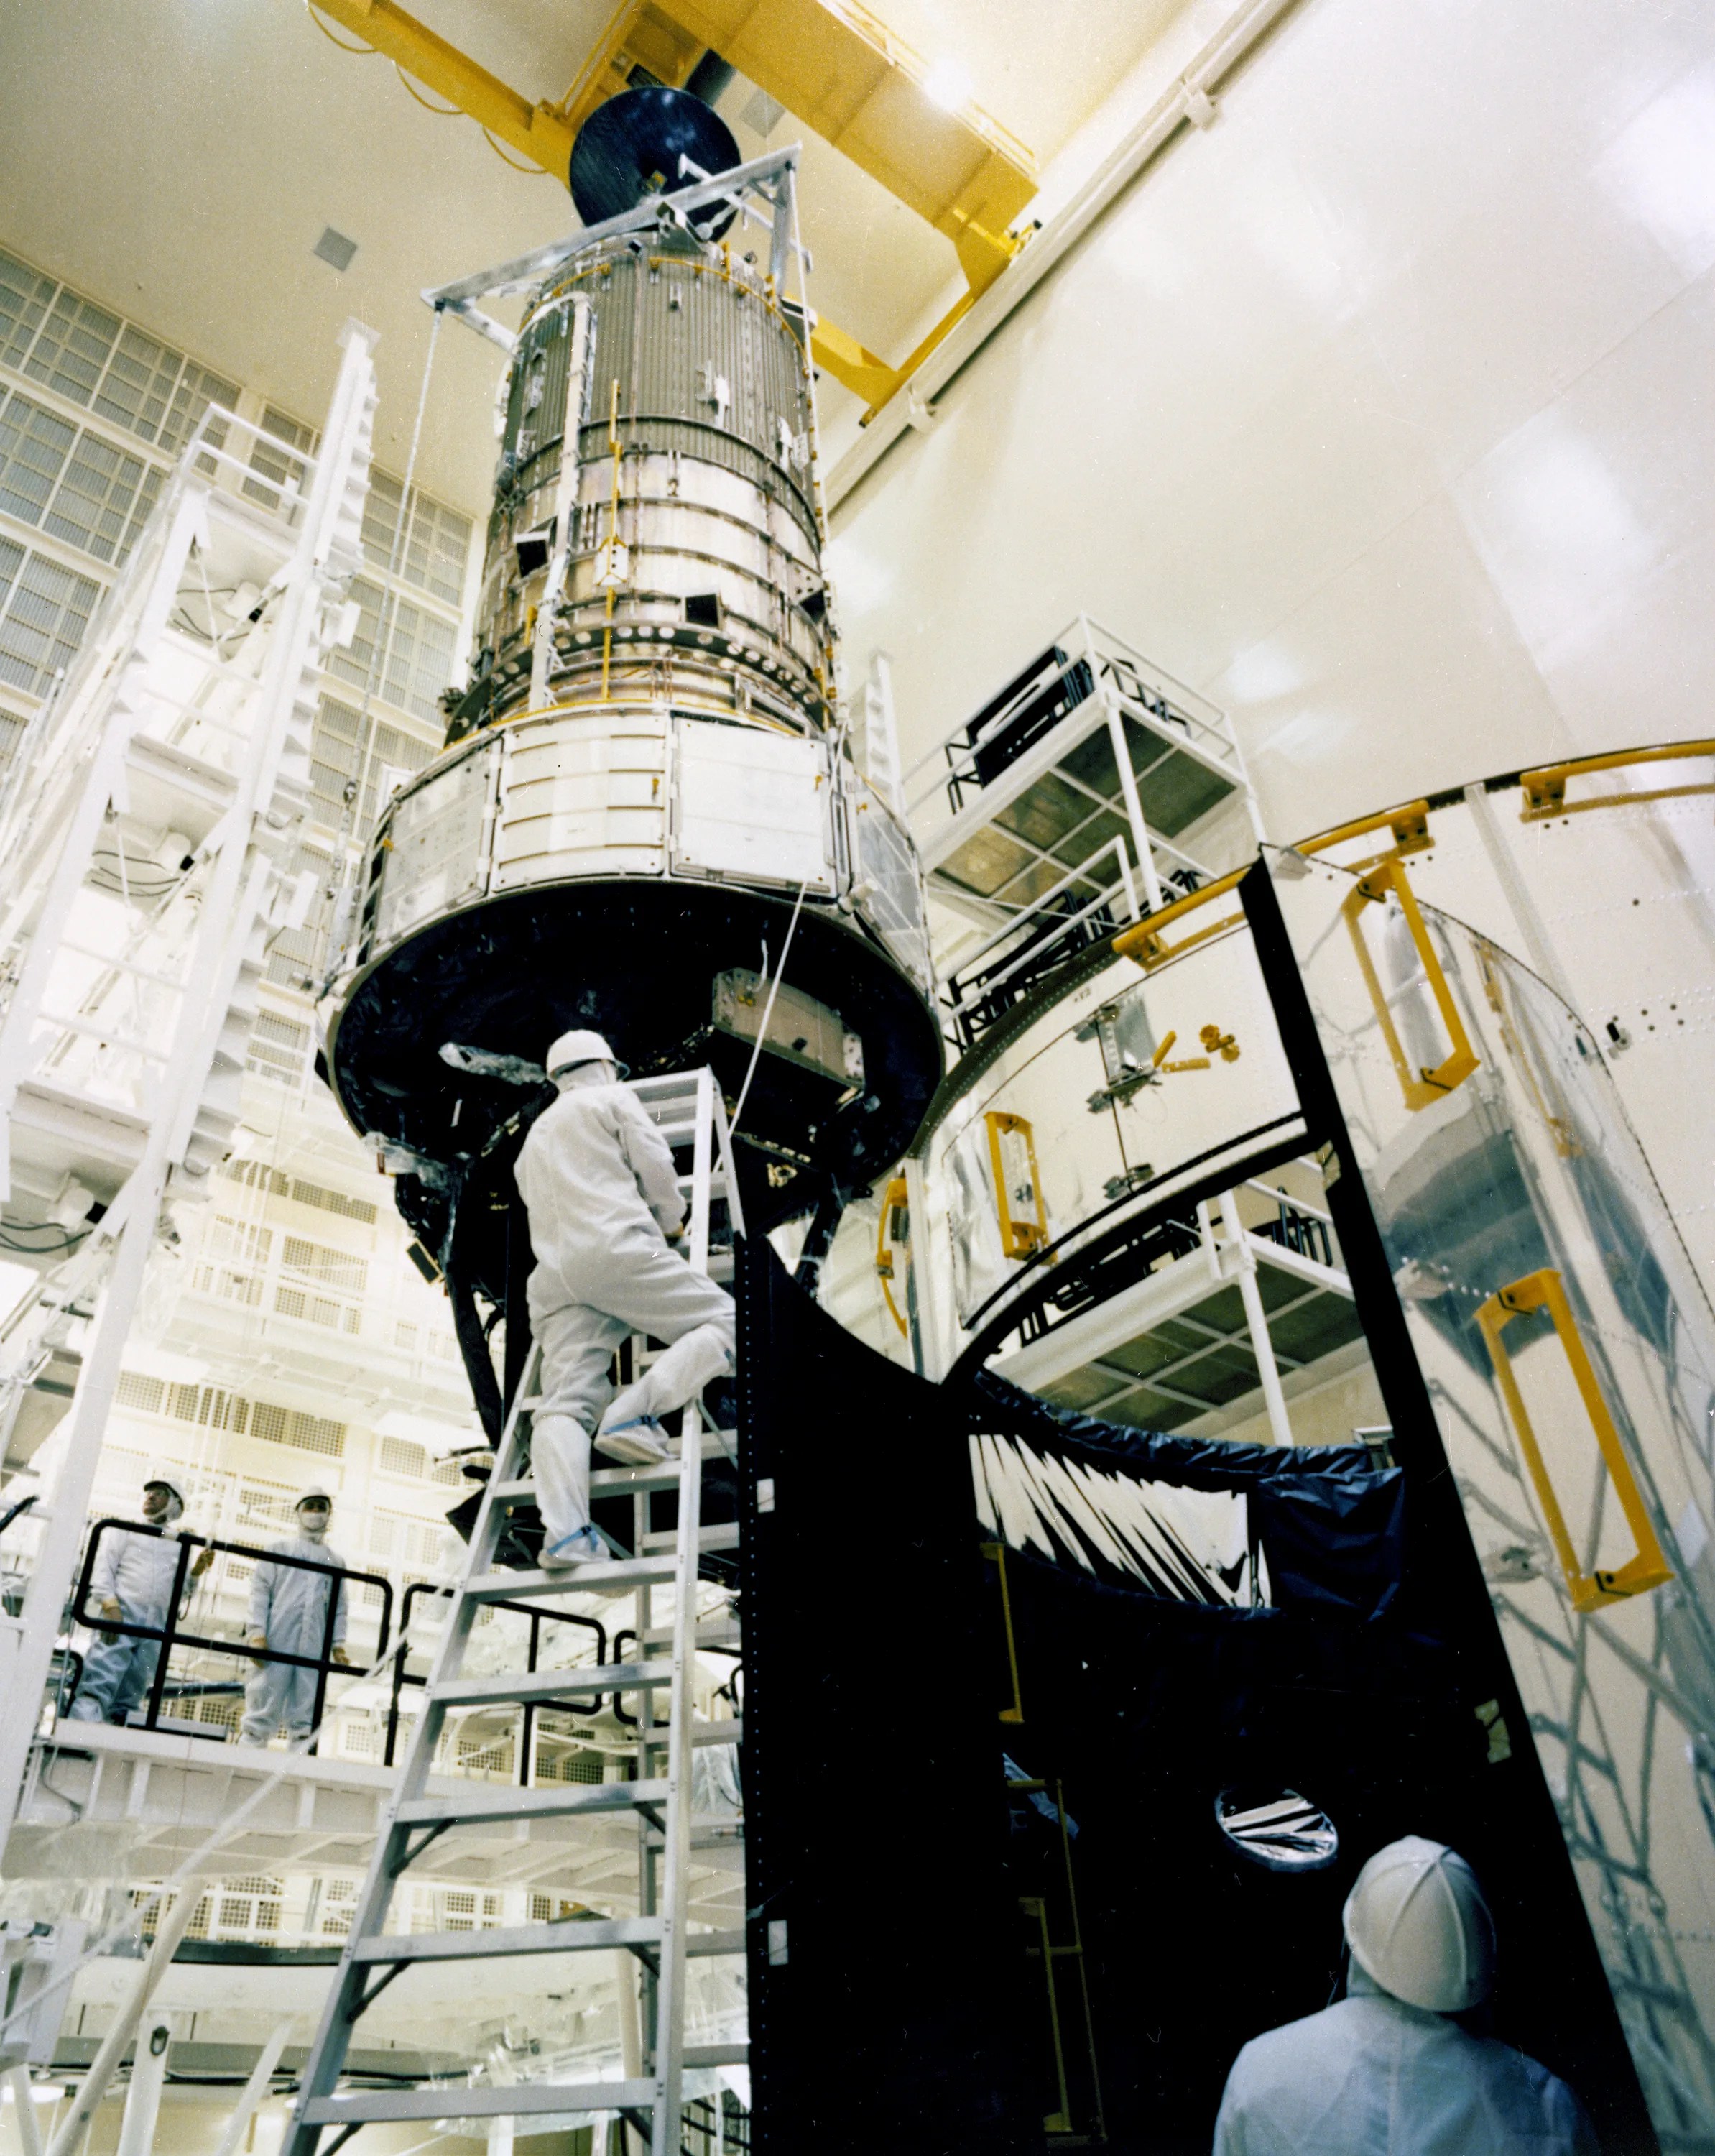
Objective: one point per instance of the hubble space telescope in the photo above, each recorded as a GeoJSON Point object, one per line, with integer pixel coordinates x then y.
{"type": "Point", "coordinates": [648, 818]}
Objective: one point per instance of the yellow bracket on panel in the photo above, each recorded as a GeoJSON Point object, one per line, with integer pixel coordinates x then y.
{"type": "Point", "coordinates": [1424, 1085]}
{"type": "Point", "coordinates": [1545, 788]}
{"type": "Point", "coordinates": [1649, 1566]}
{"type": "Point", "coordinates": [894, 1217]}
{"type": "Point", "coordinates": [1018, 1183]}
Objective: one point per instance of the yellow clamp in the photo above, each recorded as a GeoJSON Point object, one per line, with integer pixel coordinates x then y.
{"type": "Point", "coordinates": [1424, 1085]}
{"type": "Point", "coordinates": [1649, 1567]}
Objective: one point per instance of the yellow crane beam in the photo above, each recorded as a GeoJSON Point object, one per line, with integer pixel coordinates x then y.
{"type": "Point", "coordinates": [536, 131]}
{"type": "Point", "coordinates": [830, 63]}
{"type": "Point", "coordinates": [840, 70]}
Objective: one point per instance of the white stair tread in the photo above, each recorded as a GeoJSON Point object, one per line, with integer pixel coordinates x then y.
{"type": "Point", "coordinates": [549, 1801]}
{"type": "Point", "coordinates": [520, 1687]}
{"type": "Point", "coordinates": [521, 2099]}
{"type": "Point", "coordinates": [578, 1935]}
{"type": "Point", "coordinates": [528, 1586]}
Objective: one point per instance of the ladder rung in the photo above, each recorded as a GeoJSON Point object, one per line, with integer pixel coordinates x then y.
{"type": "Point", "coordinates": [717, 2054]}
{"type": "Point", "coordinates": [577, 1935]}
{"type": "Point", "coordinates": [723, 1536]}
{"type": "Point", "coordinates": [478, 1806]}
{"type": "Point", "coordinates": [723, 1633]}
{"type": "Point", "coordinates": [654, 1738]}
{"type": "Point", "coordinates": [711, 1830]}
{"type": "Point", "coordinates": [520, 2100]}
{"type": "Point", "coordinates": [618, 1480]}
{"type": "Point", "coordinates": [577, 1579]}
{"type": "Point", "coordinates": [518, 1687]}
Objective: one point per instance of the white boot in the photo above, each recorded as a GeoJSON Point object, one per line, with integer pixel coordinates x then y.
{"type": "Point", "coordinates": [559, 1467]}
{"type": "Point", "coordinates": [675, 1375]}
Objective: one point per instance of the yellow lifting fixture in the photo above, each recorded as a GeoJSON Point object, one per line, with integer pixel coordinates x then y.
{"type": "Point", "coordinates": [1648, 1568]}
{"type": "Point", "coordinates": [832, 63]}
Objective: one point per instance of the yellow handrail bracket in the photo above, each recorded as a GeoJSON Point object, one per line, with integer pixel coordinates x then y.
{"type": "Point", "coordinates": [1144, 941]}
{"type": "Point", "coordinates": [1425, 1084]}
{"type": "Point", "coordinates": [1408, 824]}
{"type": "Point", "coordinates": [1545, 788]}
{"type": "Point", "coordinates": [1649, 1566]}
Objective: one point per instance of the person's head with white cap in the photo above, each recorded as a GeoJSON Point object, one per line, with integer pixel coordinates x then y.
{"type": "Point", "coordinates": [163, 1501]}
{"type": "Point", "coordinates": [1419, 1926]}
{"type": "Point", "coordinates": [315, 1511]}
{"type": "Point", "coordinates": [582, 1058]}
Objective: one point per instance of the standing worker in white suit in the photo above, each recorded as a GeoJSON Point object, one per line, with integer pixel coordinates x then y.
{"type": "Point", "coordinates": [133, 1581]}
{"type": "Point", "coordinates": [1388, 2072]}
{"type": "Point", "coordinates": [601, 1191]}
{"type": "Point", "coordinates": [289, 1613]}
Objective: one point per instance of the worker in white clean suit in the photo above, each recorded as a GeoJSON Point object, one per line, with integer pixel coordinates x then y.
{"type": "Point", "coordinates": [289, 1613]}
{"type": "Point", "coordinates": [132, 1583]}
{"type": "Point", "coordinates": [1387, 2071]}
{"type": "Point", "coordinates": [600, 1187]}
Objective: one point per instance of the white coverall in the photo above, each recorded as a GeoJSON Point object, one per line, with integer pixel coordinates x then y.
{"type": "Point", "coordinates": [136, 1571]}
{"type": "Point", "coordinates": [1373, 2076]}
{"type": "Point", "coordinates": [288, 1606]}
{"type": "Point", "coordinates": [599, 1184]}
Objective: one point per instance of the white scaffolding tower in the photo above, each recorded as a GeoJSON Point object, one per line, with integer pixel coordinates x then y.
{"type": "Point", "coordinates": [154, 808]}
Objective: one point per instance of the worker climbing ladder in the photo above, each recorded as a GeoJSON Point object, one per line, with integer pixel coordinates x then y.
{"type": "Point", "coordinates": [687, 1108]}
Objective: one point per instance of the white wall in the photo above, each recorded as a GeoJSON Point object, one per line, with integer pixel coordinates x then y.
{"type": "Point", "coordinates": [1379, 413]}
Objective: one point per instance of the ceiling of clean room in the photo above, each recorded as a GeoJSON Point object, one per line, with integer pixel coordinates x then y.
{"type": "Point", "coordinates": [180, 161]}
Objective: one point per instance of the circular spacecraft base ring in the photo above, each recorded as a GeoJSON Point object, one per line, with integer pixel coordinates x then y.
{"type": "Point", "coordinates": [637, 959]}
{"type": "Point", "coordinates": [630, 148]}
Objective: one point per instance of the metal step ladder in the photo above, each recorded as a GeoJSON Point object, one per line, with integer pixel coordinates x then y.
{"type": "Point", "coordinates": [687, 1110]}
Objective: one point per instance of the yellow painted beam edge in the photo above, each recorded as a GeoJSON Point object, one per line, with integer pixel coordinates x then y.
{"type": "Point", "coordinates": [535, 130]}
{"type": "Point", "coordinates": [541, 134]}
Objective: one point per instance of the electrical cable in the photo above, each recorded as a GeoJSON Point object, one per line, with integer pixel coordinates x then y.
{"type": "Point", "coordinates": [440, 111]}
{"type": "Point", "coordinates": [768, 1009]}
{"type": "Point", "coordinates": [530, 171]}
{"type": "Point", "coordinates": [365, 52]}
{"type": "Point", "coordinates": [68, 1242]}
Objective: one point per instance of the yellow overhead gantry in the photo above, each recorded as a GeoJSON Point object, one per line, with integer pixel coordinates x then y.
{"type": "Point", "coordinates": [830, 63]}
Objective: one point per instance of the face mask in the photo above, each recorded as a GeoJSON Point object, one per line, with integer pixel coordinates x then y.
{"type": "Point", "coordinates": [315, 1525]}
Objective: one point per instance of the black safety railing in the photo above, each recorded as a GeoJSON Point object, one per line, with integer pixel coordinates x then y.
{"type": "Point", "coordinates": [1300, 1233]}
{"type": "Point", "coordinates": [981, 997]}
{"type": "Point", "coordinates": [587, 1703]}
{"type": "Point", "coordinates": [172, 1635]}
{"type": "Point", "coordinates": [1029, 706]}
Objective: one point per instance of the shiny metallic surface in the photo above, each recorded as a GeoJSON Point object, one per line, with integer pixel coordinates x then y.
{"type": "Point", "coordinates": [694, 439]}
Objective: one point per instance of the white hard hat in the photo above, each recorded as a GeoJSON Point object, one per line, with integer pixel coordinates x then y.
{"type": "Point", "coordinates": [572, 1048]}
{"type": "Point", "coordinates": [315, 1495]}
{"type": "Point", "coordinates": [165, 1478]}
{"type": "Point", "coordinates": [1417, 1922]}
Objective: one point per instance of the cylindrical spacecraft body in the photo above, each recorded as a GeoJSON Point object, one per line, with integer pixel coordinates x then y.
{"type": "Point", "coordinates": [646, 816]}
{"type": "Point", "coordinates": [691, 527]}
